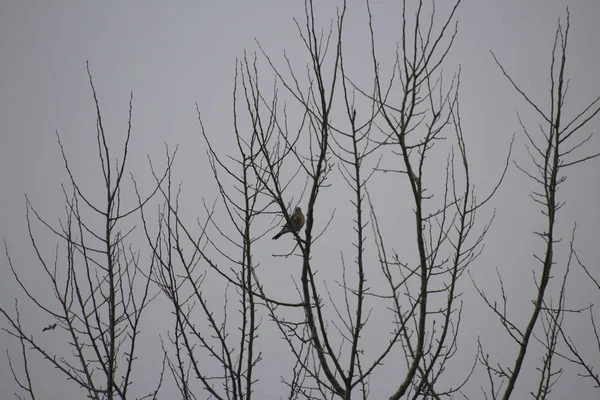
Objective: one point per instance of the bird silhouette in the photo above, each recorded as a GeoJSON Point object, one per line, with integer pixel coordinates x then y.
{"type": "Point", "coordinates": [296, 223]}
{"type": "Point", "coordinates": [49, 327]}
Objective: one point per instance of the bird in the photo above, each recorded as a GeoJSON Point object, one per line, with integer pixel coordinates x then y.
{"type": "Point", "coordinates": [296, 223]}
{"type": "Point", "coordinates": [49, 327]}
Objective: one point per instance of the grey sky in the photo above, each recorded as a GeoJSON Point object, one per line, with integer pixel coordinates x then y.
{"type": "Point", "coordinates": [174, 55]}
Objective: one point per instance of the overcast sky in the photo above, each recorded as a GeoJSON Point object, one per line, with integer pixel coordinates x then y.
{"type": "Point", "coordinates": [173, 55]}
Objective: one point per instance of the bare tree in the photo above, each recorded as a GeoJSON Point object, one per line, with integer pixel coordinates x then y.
{"type": "Point", "coordinates": [558, 147]}
{"type": "Point", "coordinates": [311, 130]}
{"type": "Point", "coordinates": [100, 285]}
{"type": "Point", "coordinates": [272, 157]}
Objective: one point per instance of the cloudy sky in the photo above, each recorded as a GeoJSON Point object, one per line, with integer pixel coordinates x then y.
{"type": "Point", "coordinates": [172, 56]}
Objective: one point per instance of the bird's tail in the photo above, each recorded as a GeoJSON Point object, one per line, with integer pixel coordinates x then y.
{"type": "Point", "coordinates": [278, 235]}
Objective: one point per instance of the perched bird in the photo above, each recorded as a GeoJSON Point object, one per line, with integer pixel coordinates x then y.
{"type": "Point", "coordinates": [296, 223]}
{"type": "Point", "coordinates": [49, 327]}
